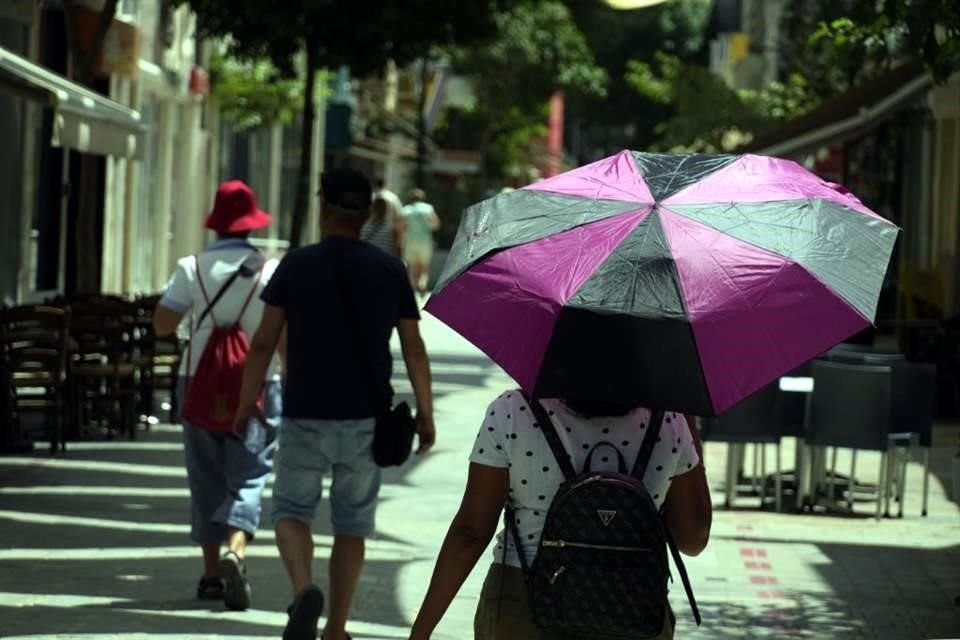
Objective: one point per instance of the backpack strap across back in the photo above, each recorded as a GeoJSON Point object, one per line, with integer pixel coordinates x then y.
{"type": "Point", "coordinates": [210, 303]}
{"type": "Point", "coordinates": [639, 468]}
{"type": "Point", "coordinates": [649, 442]}
{"type": "Point", "coordinates": [553, 439]}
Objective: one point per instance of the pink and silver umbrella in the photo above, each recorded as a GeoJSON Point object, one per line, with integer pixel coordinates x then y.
{"type": "Point", "coordinates": [681, 282]}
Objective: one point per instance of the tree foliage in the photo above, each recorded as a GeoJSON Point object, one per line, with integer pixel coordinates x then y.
{"type": "Point", "coordinates": [707, 114]}
{"type": "Point", "coordinates": [360, 34]}
{"type": "Point", "coordinates": [538, 50]}
{"type": "Point", "coordinates": [829, 48]}
{"type": "Point", "coordinates": [839, 45]}
{"type": "Point", "coordinates": [622, 118]}
{"type": "Point", "coordinates": [253, 93]}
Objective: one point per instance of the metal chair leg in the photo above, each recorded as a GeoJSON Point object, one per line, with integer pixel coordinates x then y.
{"type": "Point", "coordinates": [902, 488]}
{"type": "Point", "coordinates": [729, 489]}
{"type": "Point", "coordinates": [888, 481]}
{"type": "Point", "coordinates": [754, 480]}
{"type": "Point", "coordinates": [881, 483]}
{"type": "Point", "coordinates": [778, 480]}
{"type": "Point", "coordinates": [926, 480]}
{"type": "Point", "coordinates": [832, 477]}
{"type": "Point", "coordinates": [852, 482]}
{"type": "Point", "coordinates": [763, 473]}
{"type": "Point", "coordinates": [802, 459]}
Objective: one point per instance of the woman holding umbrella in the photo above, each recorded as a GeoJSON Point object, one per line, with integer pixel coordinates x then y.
{"type": "Point", "coordinates": [677, 282]}
{"type": "Point", "coordinates": [511, 460]}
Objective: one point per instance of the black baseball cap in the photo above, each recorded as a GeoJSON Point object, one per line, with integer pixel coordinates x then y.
{"type": "Point", "coordinates": [346, 188]}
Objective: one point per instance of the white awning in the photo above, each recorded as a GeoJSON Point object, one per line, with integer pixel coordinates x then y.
{"type": "Point", "coordinates": [83, 120]}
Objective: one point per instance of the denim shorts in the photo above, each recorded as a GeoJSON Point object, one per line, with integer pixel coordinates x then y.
{"type": "Point", "coordinates": [227, 474]}
{"type": "Point", "coordinates": [311, 449]}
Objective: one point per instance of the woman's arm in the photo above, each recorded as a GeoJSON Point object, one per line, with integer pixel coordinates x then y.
{"type": "Point", "coordinates": [469, 534]}
{"type": "Point", "coordinates": [688, 510]}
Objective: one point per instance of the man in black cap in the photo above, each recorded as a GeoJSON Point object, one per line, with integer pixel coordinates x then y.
{"type": "Point", "coordinates": [339, 301]}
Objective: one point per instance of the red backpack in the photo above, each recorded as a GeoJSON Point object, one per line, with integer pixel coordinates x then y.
{"type": "Point", "coordinates": [214, 392]}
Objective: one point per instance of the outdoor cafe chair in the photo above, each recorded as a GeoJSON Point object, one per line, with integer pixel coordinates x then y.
{"type": "Point", "coordinates": [33, 347]}
{"type": "Point", "coordinates": [852, 408]}
{"type": "Point", "coordinates": [102, 373]}
{"type": "Point", "coordinates": [914, 405]}
{"type": "Point", "coordinates": [163, 368]}
{"type": "Point", "coordinates": [756, 420]}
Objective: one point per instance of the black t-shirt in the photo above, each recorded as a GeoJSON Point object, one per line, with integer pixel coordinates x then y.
{"type": "Point", "coordinates": [342, 299]}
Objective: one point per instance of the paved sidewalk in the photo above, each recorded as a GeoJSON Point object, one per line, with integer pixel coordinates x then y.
{"type": "Point", "coordinates": [93, 544]}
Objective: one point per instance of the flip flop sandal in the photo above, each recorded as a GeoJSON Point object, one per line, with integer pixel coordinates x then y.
{"type": "Point", "coordinates": [210, 589]}
{"type": "Point", "coordinates": [304, 613]}
{"type": "Point", "coordinates": [236, 588]}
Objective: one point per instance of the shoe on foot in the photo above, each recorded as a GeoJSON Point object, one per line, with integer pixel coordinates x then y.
{"type": "Point", "coordinates": [210, 589]}
{"type": "Point", "coordinates": [236, 588]}
{"type": "Point", "coordinates": [304, 614]}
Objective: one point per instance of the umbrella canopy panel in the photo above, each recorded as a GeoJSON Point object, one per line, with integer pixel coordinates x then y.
{"type": "Point", "coordinates": [623, 281]}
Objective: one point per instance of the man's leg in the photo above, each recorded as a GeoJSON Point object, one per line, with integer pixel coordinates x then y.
{"type": "Point", "coordinates": [237, 542]}
{"type": "Point", "coordinates": [353, 503]}
{"type": "Point", "coordinates": [205, 477]}
{"type": "Point", "coordinates": [211, 560]}
{"type": "Point", "coordinates": [346, 562]}
{"type": "Point", "coordinates": [301, 461]}
{"type": "Point", "coordinates": [296, 548]}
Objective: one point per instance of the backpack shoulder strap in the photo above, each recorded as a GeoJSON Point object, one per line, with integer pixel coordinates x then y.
{"type": "Point", "coordinates": [216, 298]}
{"type": "Point", "coordinates": [682, 570]}
{"type": "Point", "coordinates": [646, 447]}
{"type": "Point", "coordinates": [253, 289]}
{"type": "Point", "coordinates": [203, 289]}
{"type": "Point", "coordinates": [553, 439]}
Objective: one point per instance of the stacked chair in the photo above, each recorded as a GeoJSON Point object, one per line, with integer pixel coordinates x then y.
{"type": "Point", "coordinates": [33, 346]}
{"type": "Point", "coordinates": [84, 366]}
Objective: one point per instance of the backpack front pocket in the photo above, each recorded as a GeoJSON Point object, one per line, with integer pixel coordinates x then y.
{"type": "Point", "coordinates": [608, 600]}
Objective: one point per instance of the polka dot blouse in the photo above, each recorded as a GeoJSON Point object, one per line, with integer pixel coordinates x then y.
{"type": "Point", "coordinates": [509, 437]}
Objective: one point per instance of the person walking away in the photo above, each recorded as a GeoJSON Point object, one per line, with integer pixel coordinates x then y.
{"type": "Point", "coordinates": [340, 300]}
{"type": "Point", "coordinates": [393, 200]}
{"type": "Point", "coordinates": [383, 229]}
{"type": "Point", "coordinates": [220, 288]}
{"type": "Point", "coordinates": [420, 221]}
{"type": "Point", "coordinates": [513, 465]}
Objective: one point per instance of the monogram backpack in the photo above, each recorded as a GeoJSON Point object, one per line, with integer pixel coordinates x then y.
{"type": "Point", "coordinates": [601, 566]}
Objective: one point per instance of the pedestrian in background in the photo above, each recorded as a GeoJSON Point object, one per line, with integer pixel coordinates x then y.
{"type": "Point", "coordinates": [420, 221]}
{"type": "Point", "coordinates": [393, 200]}
{"type": "Point", "coordinates": [226, 472]}
{"type": "Point", "coordinates": [340, 300]}
{"type": "Point", "coordinates": [384, 229]}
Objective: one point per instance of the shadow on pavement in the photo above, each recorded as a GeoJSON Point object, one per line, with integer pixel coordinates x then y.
{"type": "Point", "coordinates": [96, 541]}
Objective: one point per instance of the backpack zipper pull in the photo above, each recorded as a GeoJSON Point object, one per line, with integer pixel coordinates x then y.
{"type": "Point", "coordinates": [556, 574]}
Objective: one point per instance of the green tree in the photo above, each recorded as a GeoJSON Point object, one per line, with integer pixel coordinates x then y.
{"type": "Point", "coordinates": [829, 48]}
{"type": "Point", "coordinates": [706, 114]}
{"type": "Point", "coordinates": [838, 45]}
{"type": "Point", "coordinates": [253, 93]}
{"type": "Point", "coordinates": [361, 34]}
{"type": "Point", "coordinates": [623, 118]}
{"type": "Point", "coordinates": [538, 50]}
